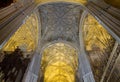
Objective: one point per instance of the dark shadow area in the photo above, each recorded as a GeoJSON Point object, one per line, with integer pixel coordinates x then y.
{"type": "Point", "coordinates": [4, 3]}
{"type": "Point", "coordinates": [114, 3]}
{"type": "Point", "coordinates": [13, 65]}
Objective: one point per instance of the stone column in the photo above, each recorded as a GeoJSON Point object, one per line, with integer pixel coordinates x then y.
{"type": "Point", "coordinates": [106, 18]}
{"type": "Point", "coordinates": [86, 71]}
{"type": "Point", "coordinates": [32, 72]}
{"type": "Point", "coordinates": [10, 24]}
{"type": "Point", "coordinates": [108, 8]}
{"type": "Point", "coordinates": [111, 63]}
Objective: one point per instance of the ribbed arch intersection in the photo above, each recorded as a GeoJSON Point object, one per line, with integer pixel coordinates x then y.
{"type": "Point", "coordinates": [59, 63]}
{"type": "Point", "coordinates": [26, 37]}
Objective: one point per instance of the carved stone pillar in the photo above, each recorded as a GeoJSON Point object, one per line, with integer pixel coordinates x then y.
{"type": "Point", "coordinates": [111, 63]}
{"type": "Point", "coordinates": [87, 75]}
{"type": "Point", "coordinates": [32, 72]}
{"type": "Point", "coordinates": [108, 8]}
{"type": "Point", "coordinates": [10, 24]}
{"type": "Point", "coordinates": [106, 18]}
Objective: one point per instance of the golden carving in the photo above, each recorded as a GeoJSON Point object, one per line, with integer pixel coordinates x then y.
{"type": "Point", "coordinates": [95, 35]}
{"type": "Point", "coordinates": [99, 44]}
{"type": "Point", "coordinates": [59, 63]}
{"type": "Point", "coordinates": [26, 37]}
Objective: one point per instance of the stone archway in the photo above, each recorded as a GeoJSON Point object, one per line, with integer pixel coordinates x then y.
{"type": "Point", "coordinates": [59, 63]}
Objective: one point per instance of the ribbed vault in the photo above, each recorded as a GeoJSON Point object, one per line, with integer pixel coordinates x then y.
{"type": "Point", "coordinates": [99, 44]}
{"type": "Point", "coordinates": [60, 21]}
{"type": "Point", "coordinates": [26, 37]}
{"type": "Point", "coordinates": [59, 63]}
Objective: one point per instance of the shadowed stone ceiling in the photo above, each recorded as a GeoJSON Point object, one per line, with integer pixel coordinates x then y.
{"type": "Point", "coordinates": [60, 21]}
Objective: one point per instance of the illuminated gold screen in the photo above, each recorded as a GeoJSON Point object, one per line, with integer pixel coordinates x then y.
{"type": "Point", "coordinates": [59, 63]}
{"type": "Point", "coordinates": [99, 44]}
{"type": "Point", "coordinates": [26, 37]}
{"type": "Point", "coordinates": [95, 35]}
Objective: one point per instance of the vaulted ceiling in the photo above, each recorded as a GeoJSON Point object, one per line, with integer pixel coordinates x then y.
{"type": "Point", "coordinates": [59, 63]}
{"type": "Point", "coordinates": [26, 37]}
{"type": "Point", "coordinates": [60, 21]}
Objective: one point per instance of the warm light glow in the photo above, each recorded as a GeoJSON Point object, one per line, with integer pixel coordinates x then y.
{"type": "Point", "coordinates": [26, 37]}
{"type": "Point", "coordinates": [114, 3]}
{"type": "Point", "coordinates": [74, 1]}
{"type": "Point", "coordinates": [95, 35]}
{"type": "Point", "coordinates": [59, 63]}
{"type": "Point", "coordinates": [99, 45]}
